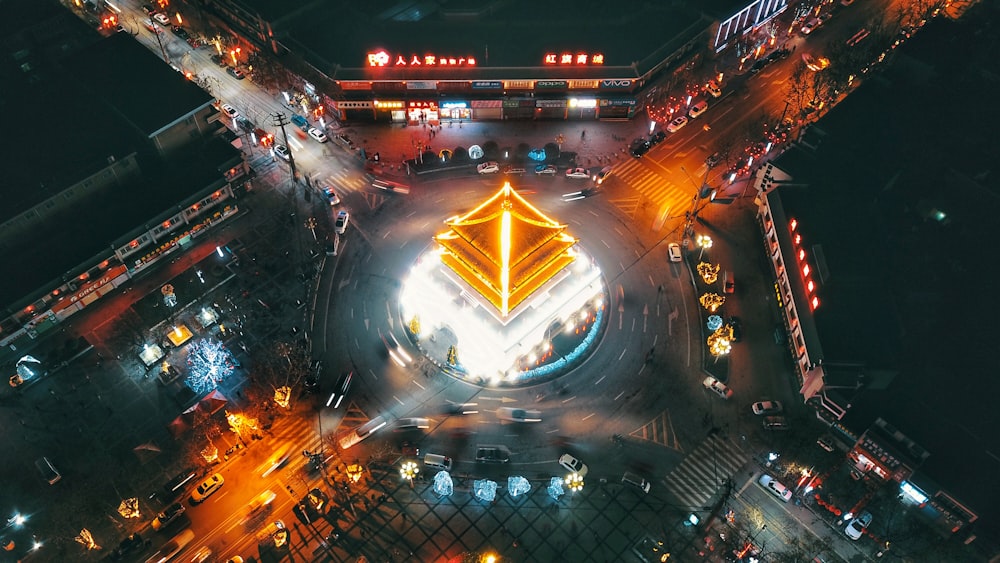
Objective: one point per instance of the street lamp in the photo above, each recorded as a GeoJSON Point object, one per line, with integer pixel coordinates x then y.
{"type": "Point", "coordinates": [574, 481]}
{"type": "Point", "coordinates": [408, 471]}
{"type": "Point", "coordinates": [704, 241]}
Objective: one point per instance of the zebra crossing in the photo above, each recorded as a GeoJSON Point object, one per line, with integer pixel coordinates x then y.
{"type": "Point", "coordinates": [654, 188]}
{"type": "Point", "coordinates": [345, 181]}
{"type": "Point", "coordinates": [710, 466]}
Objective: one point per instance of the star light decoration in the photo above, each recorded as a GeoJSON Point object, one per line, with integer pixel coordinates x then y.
{"type": "Point", "coordinates": [714, 322]}
{"type": "Point", "coordinates": [129, 508]}
{"type": "Point", "coordinates": [86, 539]}
{"type": "Point", "coordinates": [719, 343]}
{"type": "Point", "coordinates": [709, 272]}
{"type": "Point", "coordinates": [209, 362]}
{"type": "Point", "coordinates": [712, 301]}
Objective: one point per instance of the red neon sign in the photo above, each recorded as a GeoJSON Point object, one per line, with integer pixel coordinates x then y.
{"type": "Point", "coordinates": [383, 59]}
{"type": "Point", "coordinates": [576, 59]}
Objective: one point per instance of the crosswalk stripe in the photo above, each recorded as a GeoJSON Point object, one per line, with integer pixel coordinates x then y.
{"type": "Point", "coordinates": [699, 476]}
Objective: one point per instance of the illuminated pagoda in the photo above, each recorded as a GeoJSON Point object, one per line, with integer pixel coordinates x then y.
{"type": "Point", "coordinates": [495, 290]}
{"type": "Point", "coordinates": [506, 250]}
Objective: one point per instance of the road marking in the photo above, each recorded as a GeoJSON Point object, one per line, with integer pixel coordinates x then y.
{"type": "Point", "coordinates": [619, 396]}
{"type": "Point", "coordinates": [622, 355]}
{"type": "Point", "coordinates": [589, 415]}
{"type": "Point", "coordinates": [401, 403]}
{"type": "Point", "coordinates": [415, 382]}
{"type": "Point", "coordinates": [568, 400]}
{"type": "Point", "coordinates": [600, 380]}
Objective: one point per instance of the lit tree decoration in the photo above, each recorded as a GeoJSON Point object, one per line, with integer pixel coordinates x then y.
{"type": "Point", "coordinates": [443, 484]}
{"type": "Point", "coordinates": [719, 343]}
{"type": "Point", "coordinates": [209, 362]}
{"type": "Point", "coordinates": [517, 486]}
{"type": "Point", "coordinates": [210, 453]}
{"type": "Point", "coordinates": [415, 325]}
{"type": "Point", "coordinates": [241, 424]}
{"type": "Point", "coordinates": [169, 299]}
{"type": "Point", "coordinates": [86, 539]}
{"type": "Point", "coordinates": [283, 396]}
{"type": "Point", "coordinates": [714, 322]}
{"type": "Point", "coordinates": [712, 301]}
{"type": "Point", "coordinates": [129, 508]}
{"type": "Point", "coordinates": [709, 273]}
{"type": "Point", "coordinates": [485, 489]}
{"type": "Point", "coordinates": [555, 488]}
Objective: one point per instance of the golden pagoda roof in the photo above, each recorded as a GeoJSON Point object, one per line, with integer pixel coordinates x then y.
{"type": "Point", "coordinates": [506, 249]}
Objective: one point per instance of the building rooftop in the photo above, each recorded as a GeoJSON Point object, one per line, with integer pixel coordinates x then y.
{"type": "Point", "coordinates": [150, 96]}
{"type": "Point", "coordinates": [899, 206]}
{"type": "Point", "coordinates": [336, 38]}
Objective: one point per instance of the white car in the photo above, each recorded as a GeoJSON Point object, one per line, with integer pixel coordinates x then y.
{"type": "Point", "coordinates": [230, 111]}
{"type": "Point", "coordinates": [713, 89]}
{"type": "Point", "coordinates": [674, 252]}
{"type": "Point", "coordinates": [282, 151]}
{"type": "Point", "coordinates": [766, 407]}
{"type": "Point", "coordinates": [161, 18]}
{"type": "Point", "coordinates": [698, 109]}
{"type": "Point", "coordinates": [775, 488]}
{"type": "Point", "coordinates": [811, 26]}
{"type": "Point", "coordinates": [677, 124]}
{"type": "Point", "coordinates": [518, 415]}
{"type": "Point", "coordinates": [340, 225]}
{"type": "Point", "coordinates": [206, 488]}
{"type": "Point", "coordinates": [717, 387]}
{"type": "Point", "coordinates": [545, 169]}
{"type": "Point", "coordinates": [856, 528]}
{"type": "Point", "coordinates": [573, 465]}
{"type": "Point", "coordinates": [577, 173]}
{"type": "Point", "coordinates": [488, 168]}
{"type": "Point", "coordinates": [318, 135]}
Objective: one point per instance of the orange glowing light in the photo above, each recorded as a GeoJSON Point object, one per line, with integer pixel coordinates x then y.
{"type": "Point", "coordinates": [810, 286]}
{"type": "Point", "coordinates": [805, 270]}
{"type": "Point", "coordinates": [793, 224]}
{"type": "Point", "coordinates": [802, 254]}
{"type": "Point", "coordinates": [815, 303]}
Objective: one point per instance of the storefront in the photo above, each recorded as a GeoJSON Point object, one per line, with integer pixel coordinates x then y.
{"type": "Point", "coordinates": [393, 111]}
{"type": "Point", "coordinates": [550, 109]}
{"type": "Point", "coordinates": [519, 109]}
{"type": "Point", "coordinates": [422, 111]}
{"type": "Point", "coordinates": [612, 108]}
{"type": "Point", "coordinates": [456, 110]}
{"type": "Point", "coordinates": [355, 110]}
{"type": "Point", "coordinates": [582, 108]}
{"type": "Point", "coordinates": [487, 109]}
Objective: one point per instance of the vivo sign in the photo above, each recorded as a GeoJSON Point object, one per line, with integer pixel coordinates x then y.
{"type": "Point", "coordinates": [616, 84]}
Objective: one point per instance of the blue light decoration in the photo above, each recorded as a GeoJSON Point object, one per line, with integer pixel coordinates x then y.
{"type": "Point", "coordinates": [714, 323]}
{"type": "Point", "coordinates": [555, 488]}
{"type": "Point", "coordinates": [485, 489]}
{"type": "Point", "coordinates": [518, 486]}
{"type": "Point", "coordinates": [209, 362]}
{"type": "Point", "coordinates": [443, 485]}
{"type": "Point", "coordinates": [538, 155]}
{"type": "Point", "coordinates": [476, 152]}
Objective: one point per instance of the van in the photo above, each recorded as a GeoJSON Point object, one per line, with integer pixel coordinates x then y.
{"type": "Point", "coordinates": [636, 481]}
{"type": "Point", "coordinates": [438, 461]}
{"type": "Point", "coordinates": [48, 471]}
{"type": "Point", "coordinates": [361, 432]}
{"type": "Point", "coordinates": [300, 121]}
{"type": "Point", "coordinates": [492, 454]}
{"type": "Point", "coordinates": [730, 282]}
{"type": "Point", "coordinates": [698, 109]}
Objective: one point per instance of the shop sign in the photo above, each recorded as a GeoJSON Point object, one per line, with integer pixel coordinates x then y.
{"type": "Point", "coordinates": [384, 59]}
{"type": "Point", "coordinates": [454, 105]}
{"type": "Point", "coordinates": [423, 105]}
{"type": "Point", "coordinates": [576, 59]}
{"type": "Point", "coordinates": [355, 85]}
{"type": "Point", "coordinates": [550, 103]}
{"type": "Point", "coordinates": [487, 84]}
{"type": "Point", "coordinates": [547, 84]}
{"type": "Point", "coordinates": [618, 102]}
{"type": "Point", "coordinates": [612, 84]}
{"type": "Point", "coordinates": [421, 85]}
{"type": "Point", "coordinates": [518, 84]}
{"type": "Point", "coordinates": [512, 103]}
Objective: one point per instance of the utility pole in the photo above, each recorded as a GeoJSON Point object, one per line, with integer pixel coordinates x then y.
{"type": "Point", "coordinates": [280, 120]}
{"type": "Point", "coordinates": [159, 40]}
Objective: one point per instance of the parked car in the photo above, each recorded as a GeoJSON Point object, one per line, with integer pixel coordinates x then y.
{"type": "Point", "coordinates": [579, 173]}
{"type": "Point", "coordinates": [775, 423]}
{"type": "Point", "coordinates": [717, 387]}
{"type": "Point", "coordinates": [766, 407]}
{"type": "Point", "coordinates": [318, 135]}
{"type": "Point", "coordinates": [825, 442]}
{"type": "Point", "coordinates": [330, 194]}
{"type": "Point", "coordinates": [161, 18]}
{"type": "Point", "coordinates": [230, 111]}
{"type": "Point", "coordinates": [698, 109]}
{"type": "Point", "coordinates": [772, 485]}
{"type": "Point", "coordinates": [180, 32]}
{"type": "Point", "coordinates": [218, 59]}
{"type": "Point", "coordinates": [340, 225]}
{"type": "Point", "coordinates": [713, 89]}
{"type": "Point", "coordinates": [168, 515]}
{"type": "Point", "coordinates": [713, 160]}
{"type": "Point", "coordinates": [413, 423]}
{"type": "Point", "coordinates": [573, 465]}
{"type": "Point", "coordinates": [260, 502]}
{"type": "Point", "coordinates": [488, 168]}
{"type": "Point", "coordinates": [518, 415]}
{"type": "Point", "coordinates": [546, 169]}
{"type": "Point", "coordinates": [132, 544]}
{"type": "Point", "coordinates": [282, 152]}
{"type": "Point", "coordinates": [810, 26]}
{"type": "Point", "coordinates": [153, 27]}
{"type": "Point", "coordinates": [206, 488]}
{"type": "Point", "coordinates": [856, 527]}
{"type": "Point", "coordinates": [657, 138]}
{"type": "Point", "coordinates": [317, 499]}
{"type": "Point", "coordinates": [674, 252]}
{"type": "Point", "coordinates": [235, 72]}
{"type": "Point", "coordinates": [677, 124]}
